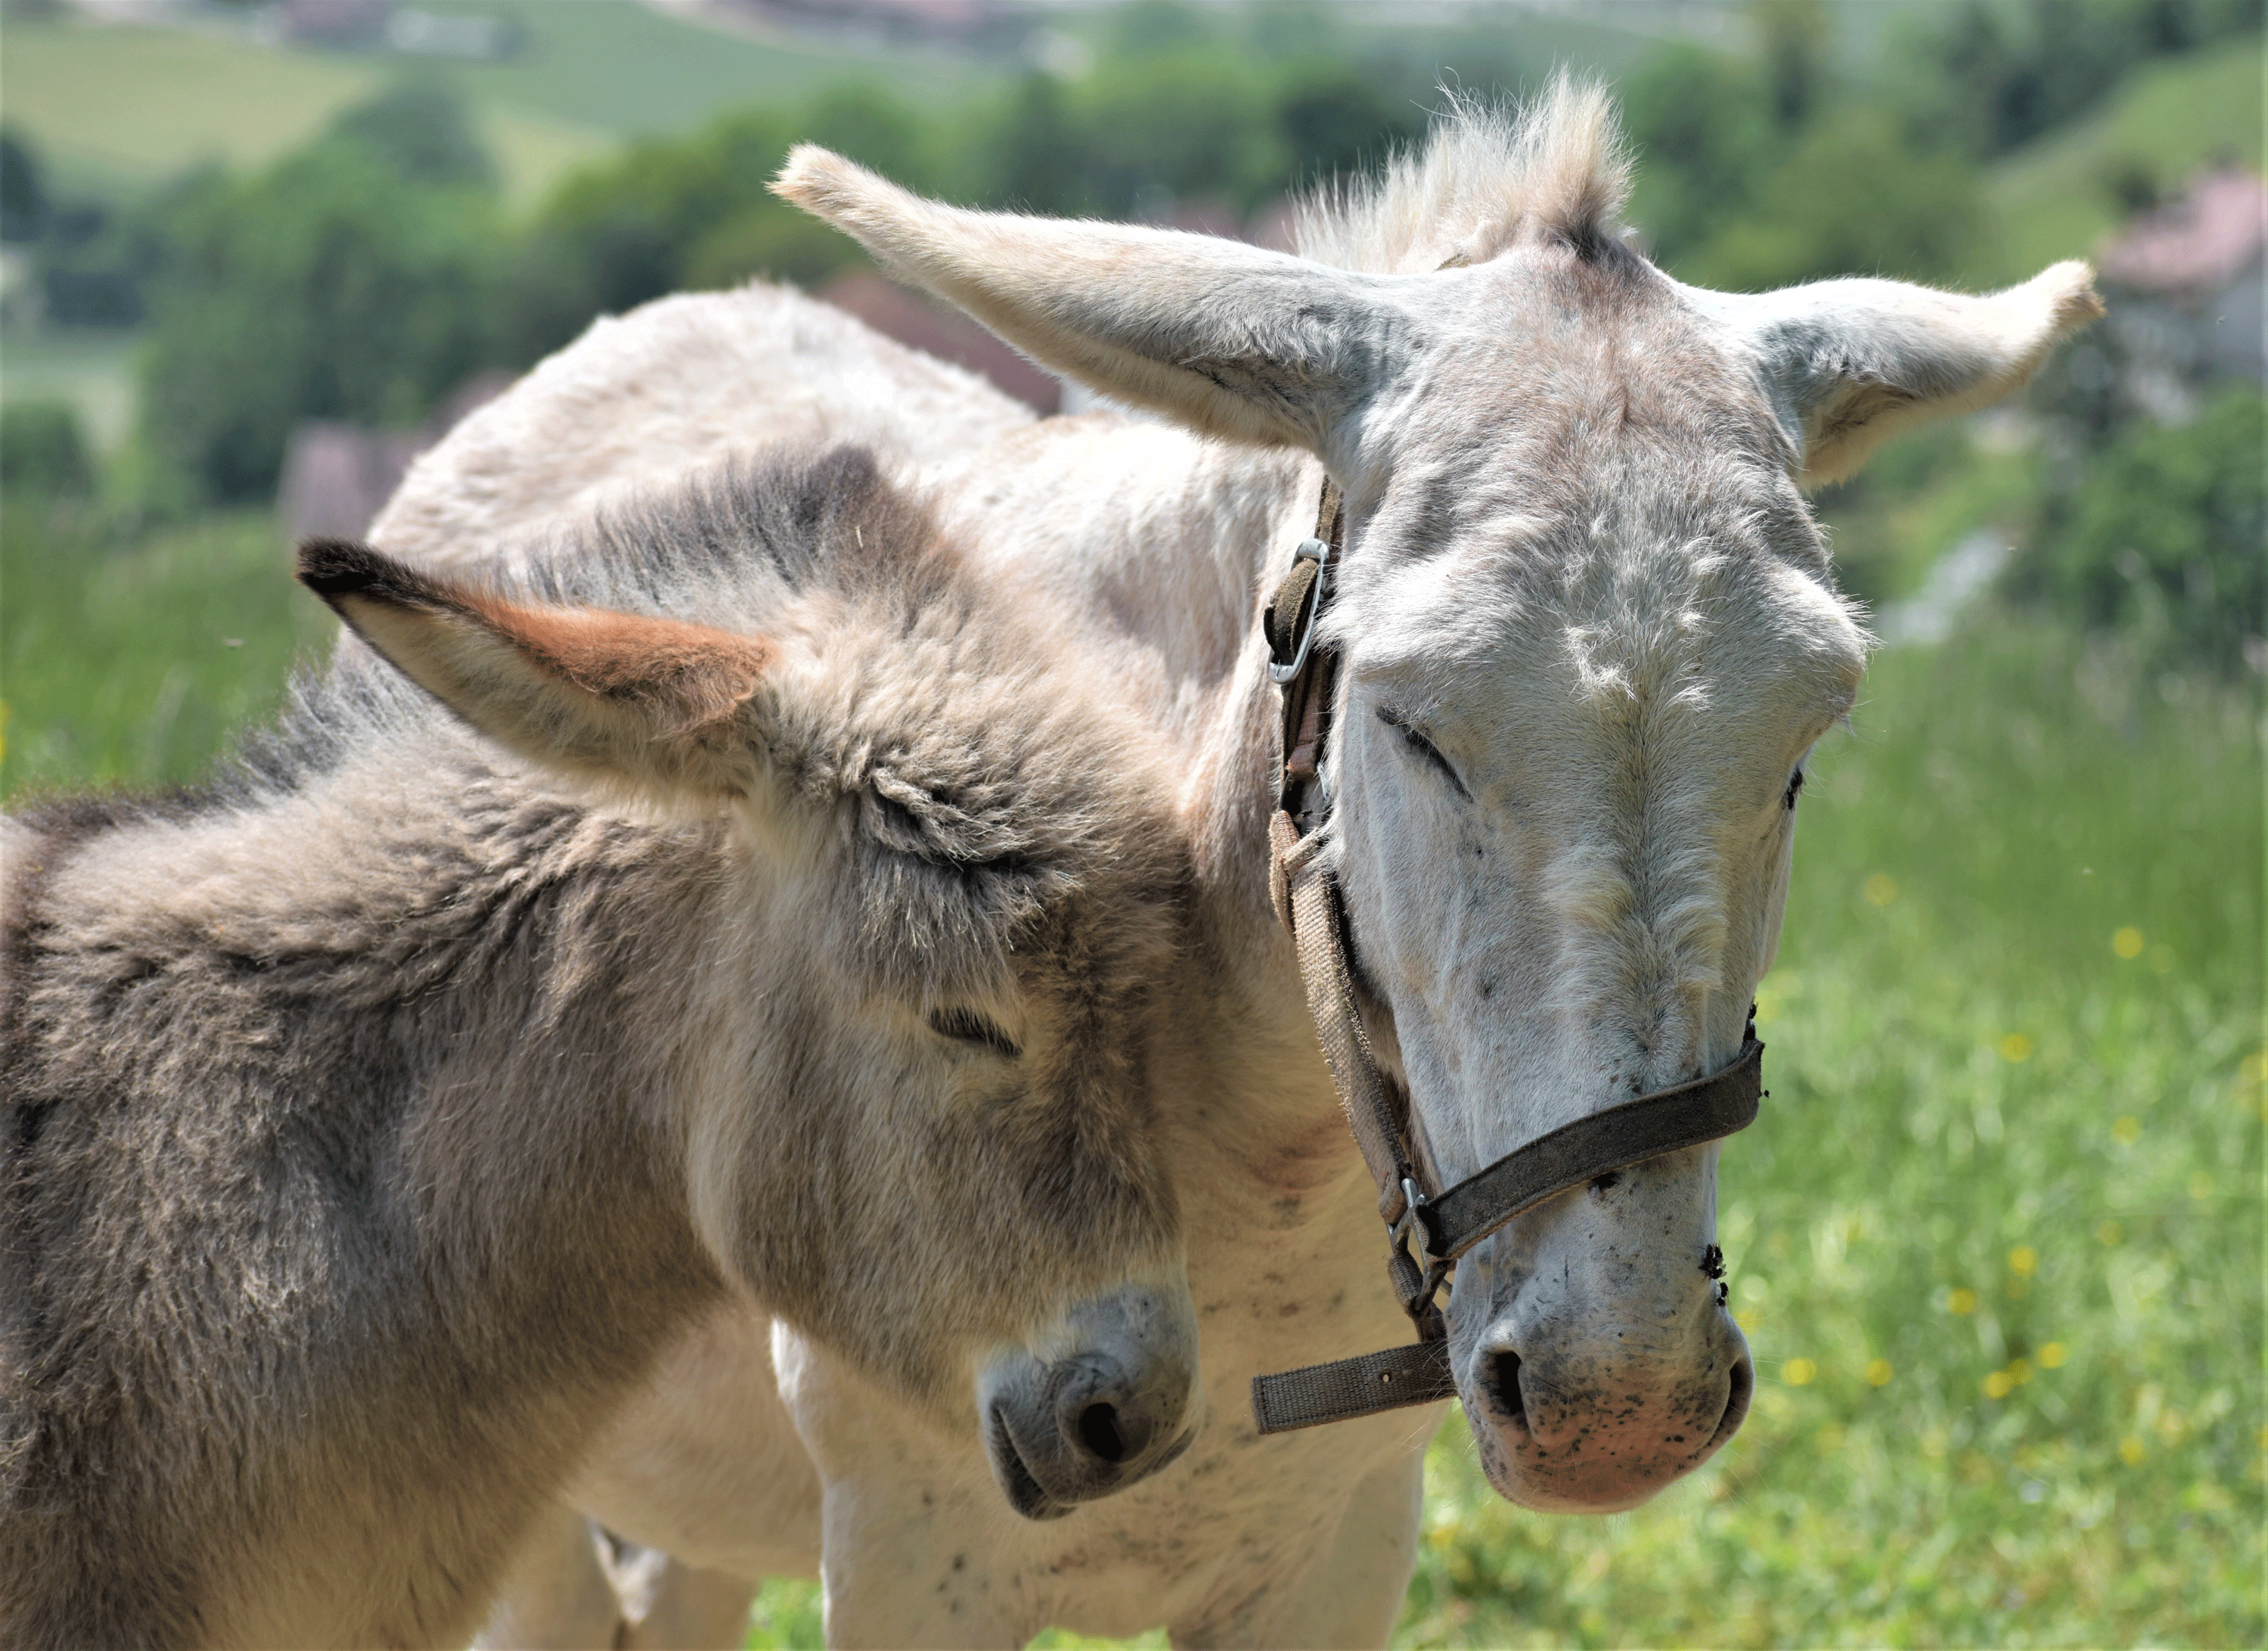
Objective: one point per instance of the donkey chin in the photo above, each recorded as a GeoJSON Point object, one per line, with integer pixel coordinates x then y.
{"type": "Point", "coordinates": [1579, 1412]}
{"type": "Point", "coordinates": [1110, 1399]}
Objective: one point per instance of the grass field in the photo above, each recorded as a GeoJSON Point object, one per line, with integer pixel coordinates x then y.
{"type": "Point", "coordinates": [130, 666]}
{"type": "Point", "coordinates": [1997, 1241]}
{"type": "Point", "coordinates": [119, 108]}
{"type": "Point", "coordinates": [90, 367]}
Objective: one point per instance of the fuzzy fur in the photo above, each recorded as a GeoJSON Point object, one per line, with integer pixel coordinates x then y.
{"type": "Point", "coordinates": [1555, 167]}
{"type": "Point", "coordinates": [1582, 580]}
{"type": "Point", "coordinates": [379, 1115]}
{"type": "Point", "coordinates": [681, 385]}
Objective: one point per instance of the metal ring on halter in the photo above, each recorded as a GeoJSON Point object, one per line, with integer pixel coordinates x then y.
{"type": "Point", "coordinates": [1316, 551]}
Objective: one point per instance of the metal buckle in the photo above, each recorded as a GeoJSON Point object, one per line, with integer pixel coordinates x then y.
{"type": "Point", "coordinates": [1410, 1199]}
{"type": "Point", "coordinates": [1412, 1225]}
{"type": "Point", "coordinates": [1316, 551]}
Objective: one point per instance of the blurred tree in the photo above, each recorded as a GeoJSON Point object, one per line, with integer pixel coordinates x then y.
{"type": "Point", "coordinates": [1149, 28]}
{"type": "Point", "coordinates": [1705, 142]}
{"type": "Point", "coordinates": [1177, 128]}
{"type": "Point", "coordinates": [776, 242]}
{"type": "Point", "coordinates": [616, 235]}
{"type": "Point", "coordinates": [330, 286]}
{"type": "Point", "coordinates": [42, 451]}
{"type": "Point", "coordinates": [1031, 156]}
{"type": "Point", "coordinates": [90, 265]}
{"type": "Point", "coordinates": [98, 261]}
{"type": "Point", "coordinates": [23, 197]}
{"type": "Point", "coordinates": [1291, 29]}
{"type": "Point", "coordinates": [1855, 196]}
{"type": "Point", "coordinates": [1334, 121]}
{"type": "Point", "coordinates": [2163, 536]}
{"type": "Point", "coordinates": [422, 130]}
{"type": "Point", "coordinates": [1991, 75]}
{"type": "Point", "coordinates": [1795, 37]}
{"type": "Point", "coordinates": [871, 126]}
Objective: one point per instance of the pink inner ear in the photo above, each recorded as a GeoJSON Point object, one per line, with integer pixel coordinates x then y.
{"type": "Point", "coordinates": [696, 674]}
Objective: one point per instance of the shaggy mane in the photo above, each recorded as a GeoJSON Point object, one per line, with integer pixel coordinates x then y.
{"type": "Point", "coordinates": [1557, 166]}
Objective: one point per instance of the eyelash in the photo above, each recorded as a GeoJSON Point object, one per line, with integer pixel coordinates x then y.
{"type": "Point", "coordinates": [1425, 748]}
{"type": "Point", "coordinates": [966, 1026]}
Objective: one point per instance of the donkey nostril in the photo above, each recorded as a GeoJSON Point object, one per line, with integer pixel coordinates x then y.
{"type": "Point", "coordinates": [1736, 1402]}
{"type": "Point", "coordinates": [1098, 1431]}
{"type": "Point", "coordinates": [1502, 1380]}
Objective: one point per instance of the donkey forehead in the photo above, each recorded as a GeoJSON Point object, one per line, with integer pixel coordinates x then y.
{"type": "Point", "coordinates": [1550, 355]}
{"type": "Point", "coordinates": [1606, 623]}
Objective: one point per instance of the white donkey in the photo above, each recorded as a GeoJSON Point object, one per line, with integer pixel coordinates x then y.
{"type": "Point", "coordinates": [1587, 634]}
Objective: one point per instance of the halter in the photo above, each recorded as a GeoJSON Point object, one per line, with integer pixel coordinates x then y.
{"type": "Point", "coordinates": [1442, 1225]}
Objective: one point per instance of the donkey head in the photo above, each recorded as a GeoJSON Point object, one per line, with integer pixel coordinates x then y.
{"type": "Point", "coordinates": [922, 1049]}
{"type": "Point", "coordinates": [1588, 635]}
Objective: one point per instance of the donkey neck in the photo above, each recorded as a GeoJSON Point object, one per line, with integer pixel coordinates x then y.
{"type": "Point", "coordinates": [1159, 545]}
{"type": "Point", "coordinates": [384, 1068]}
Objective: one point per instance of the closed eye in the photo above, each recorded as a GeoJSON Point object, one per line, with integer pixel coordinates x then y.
{"type": "Point", "coordinates": [1795, 787]}
{"type": "Point", "coordinates": [1424, 749]}
{"type": "Point", "coordinates": [966, 1026]}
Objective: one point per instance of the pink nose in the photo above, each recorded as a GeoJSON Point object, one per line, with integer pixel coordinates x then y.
{"type": "Point", "coordinates": [1583, 1436]}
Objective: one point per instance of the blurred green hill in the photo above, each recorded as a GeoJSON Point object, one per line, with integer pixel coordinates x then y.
{"type": "Point", "coordinates": [2060, 195]}
{"type": "Point", "coordinates": [213, 241]}
{"type": "Point", "coordinates": [122, 105]}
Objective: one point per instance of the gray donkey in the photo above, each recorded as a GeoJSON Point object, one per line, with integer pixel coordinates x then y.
{"type": "Point", "coordinates": [374, 1117]}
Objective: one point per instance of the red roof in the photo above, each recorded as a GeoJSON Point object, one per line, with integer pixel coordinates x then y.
{"type": "Point", "coordinates": [2198, 243]}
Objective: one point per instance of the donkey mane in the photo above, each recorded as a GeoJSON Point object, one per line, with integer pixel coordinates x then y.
{"type": "Point", "coordinates": [1556, 165]}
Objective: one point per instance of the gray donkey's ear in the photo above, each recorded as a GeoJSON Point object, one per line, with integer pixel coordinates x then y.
{"type": "Point", "coordinates": [654, 705]}
{"type": "Point", "coordinates": [1850, 364]}
{"type": "Point", "coordinates": [1225, 338]}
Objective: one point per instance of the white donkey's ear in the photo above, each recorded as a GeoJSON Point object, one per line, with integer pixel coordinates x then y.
{"type": "Point", "coordinates": [655, 706]}
{"type": "Point", "coordinates": [1850, 364]}
{"type": "Point", "coordinates": [1226, 338]}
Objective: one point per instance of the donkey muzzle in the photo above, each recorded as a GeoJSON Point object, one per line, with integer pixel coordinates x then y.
{"type": "Point", "coordinates": [1110, 1411]}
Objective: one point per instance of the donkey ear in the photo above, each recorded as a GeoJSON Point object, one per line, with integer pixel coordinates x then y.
{"type": "Point", "coordinates": [1228, 339]}
{"type": "Point", "coordinates": [1850, 363]}
{"type": "Point", "coordinates": [654, 702]}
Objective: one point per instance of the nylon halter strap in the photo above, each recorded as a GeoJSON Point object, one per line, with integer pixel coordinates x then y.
{"type": "Point", "coordinates": [1440, 1226]}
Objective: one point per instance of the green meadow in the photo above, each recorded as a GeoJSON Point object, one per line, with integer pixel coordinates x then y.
{"type": "Point", "coordinates": [1996, 1241]}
